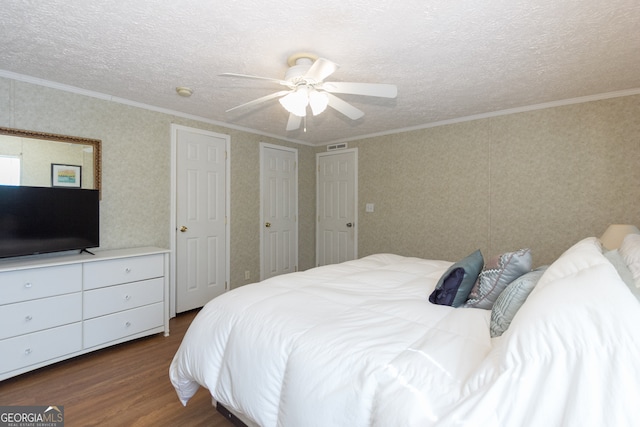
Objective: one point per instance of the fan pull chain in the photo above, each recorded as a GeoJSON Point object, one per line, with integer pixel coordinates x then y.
{"type": "Point", "coordinates": [305, 124]}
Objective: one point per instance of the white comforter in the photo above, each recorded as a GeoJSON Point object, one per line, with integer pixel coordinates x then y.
{"type": "Point", "coordinates": [359, 344]}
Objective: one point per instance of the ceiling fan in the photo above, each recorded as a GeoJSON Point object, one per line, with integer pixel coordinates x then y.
{"type": "Point", "coordinates": [306, 87]}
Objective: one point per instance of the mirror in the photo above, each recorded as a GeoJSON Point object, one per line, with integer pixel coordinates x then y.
{"type": "Point", "coordinates": [47, 160]}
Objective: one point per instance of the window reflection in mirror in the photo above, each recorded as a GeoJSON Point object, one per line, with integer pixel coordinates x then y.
{"type": "Point", "coordinates": [35, 153]}
{"type": "Point", "coordinates": [9, 170]}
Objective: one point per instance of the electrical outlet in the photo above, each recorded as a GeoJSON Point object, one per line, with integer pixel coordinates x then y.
{"type": "Point", "coordinates": [247, 275]}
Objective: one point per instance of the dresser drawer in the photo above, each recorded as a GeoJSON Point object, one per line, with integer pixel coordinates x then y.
{"type": "Point", "coordinates": [122, 270]}
{"type": "Point", "coordinates": [25, 350]}
{"type": "Point", "coordinates": [119, 325]}
{"type": "Point", "coordinates": [31, 316]}
{"type": "Point", "coordinates": [101, 301]}
{"type": "Point", "coordinates": [23, 285]}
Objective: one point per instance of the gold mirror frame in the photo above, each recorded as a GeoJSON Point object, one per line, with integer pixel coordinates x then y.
{"type": "Point", "coordinates": [95, 143]}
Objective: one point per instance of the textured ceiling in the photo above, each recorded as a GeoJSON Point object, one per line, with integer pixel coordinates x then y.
{"type": "Point", "coordinates": [449, 59]}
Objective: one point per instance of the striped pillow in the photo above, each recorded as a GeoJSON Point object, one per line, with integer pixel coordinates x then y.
{"type": "Point", "coordinates": [511, 299]}
{"type": "Point", "coordinates": [496, 275]}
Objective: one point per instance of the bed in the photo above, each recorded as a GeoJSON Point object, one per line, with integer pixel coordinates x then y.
{"type": "Point", "coordinates": [363, 344]}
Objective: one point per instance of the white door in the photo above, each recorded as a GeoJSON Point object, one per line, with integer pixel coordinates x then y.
{"type": "Point", "coordinates": [279, 210]}
{"type": "Point", "coordinates": [337, 197]}
{"type": "Point", "coordinates": [201, 232]}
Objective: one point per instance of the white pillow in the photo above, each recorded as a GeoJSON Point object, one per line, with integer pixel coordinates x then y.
{"type": "Point", "coordinates": [630, 251]}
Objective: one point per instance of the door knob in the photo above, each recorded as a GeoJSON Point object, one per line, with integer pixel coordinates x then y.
{"type": "Point", "coordinates": [267, 224]}
{"type": "Point", "coordinates": [183, 228]}
{"type": "Point", "coordinates": [349, 225]}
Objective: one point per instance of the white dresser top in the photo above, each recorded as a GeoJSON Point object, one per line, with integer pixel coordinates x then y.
{"type": "Point", "coordinates": [47, 260]}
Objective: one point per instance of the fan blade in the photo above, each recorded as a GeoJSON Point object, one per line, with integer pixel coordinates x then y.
{"type": "Point", "coordinates": [321, 69]}
{"type": "Point", "coordinates": [248, 76]}
{"type": "Point", "coordinates": [294, 122]}
{"type": "Point", "coordinates": [344, 107]}
{"type": "Point", "coordinates": [260, 100]}
{"type": "Point", "coordinates": [367, 89]}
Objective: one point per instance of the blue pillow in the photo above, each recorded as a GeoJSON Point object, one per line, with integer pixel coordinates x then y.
{"type": "Point", "coordinates": [446, 293]}
{"type": "Point", "coordinates": [455, 284]}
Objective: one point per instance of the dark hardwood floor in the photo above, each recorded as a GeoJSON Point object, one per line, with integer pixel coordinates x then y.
{"type": "Point", "coordinates": [125, 385]}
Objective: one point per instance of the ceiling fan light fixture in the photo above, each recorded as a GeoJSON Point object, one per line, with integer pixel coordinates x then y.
{"type": "Point", "coordinates": [296, 102]}
{"type": "Point", "coordinates": [306, 86]}
{"type": "Point", "coordinates": [318, 101]}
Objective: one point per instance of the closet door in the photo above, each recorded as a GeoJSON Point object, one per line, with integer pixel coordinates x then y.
{"type": "Point", "coordinates": [201, 226]}
{"type": "Point", "coordinates": [279, 209]}
{"type": "Point", "coordinates": [337, 232]}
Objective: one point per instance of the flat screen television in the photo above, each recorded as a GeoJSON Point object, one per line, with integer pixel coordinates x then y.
{"type": "Point", "coordinates": [37, 220]}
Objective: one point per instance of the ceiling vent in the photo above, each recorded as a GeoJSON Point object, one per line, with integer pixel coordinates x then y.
{"type": "Point", "coordinates": [340, 146]}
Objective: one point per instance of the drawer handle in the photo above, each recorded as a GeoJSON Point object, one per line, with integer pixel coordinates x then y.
{"type": "Point", "coordinates": [27, 285]}
{"type": "Point", "coordinates": [127, 270]}
{"type": "Point", "coordinates": [127, 324]}
{"type": "Point", "coordinates": [27, 352]}
{"type": "Point", "coordinates": [127, 297]}
{"type": "Point", "coordinates": [28, 318]}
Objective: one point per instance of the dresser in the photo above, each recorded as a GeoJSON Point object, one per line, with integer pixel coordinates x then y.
{"type": "Point", "coordinates": [59, 306]}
